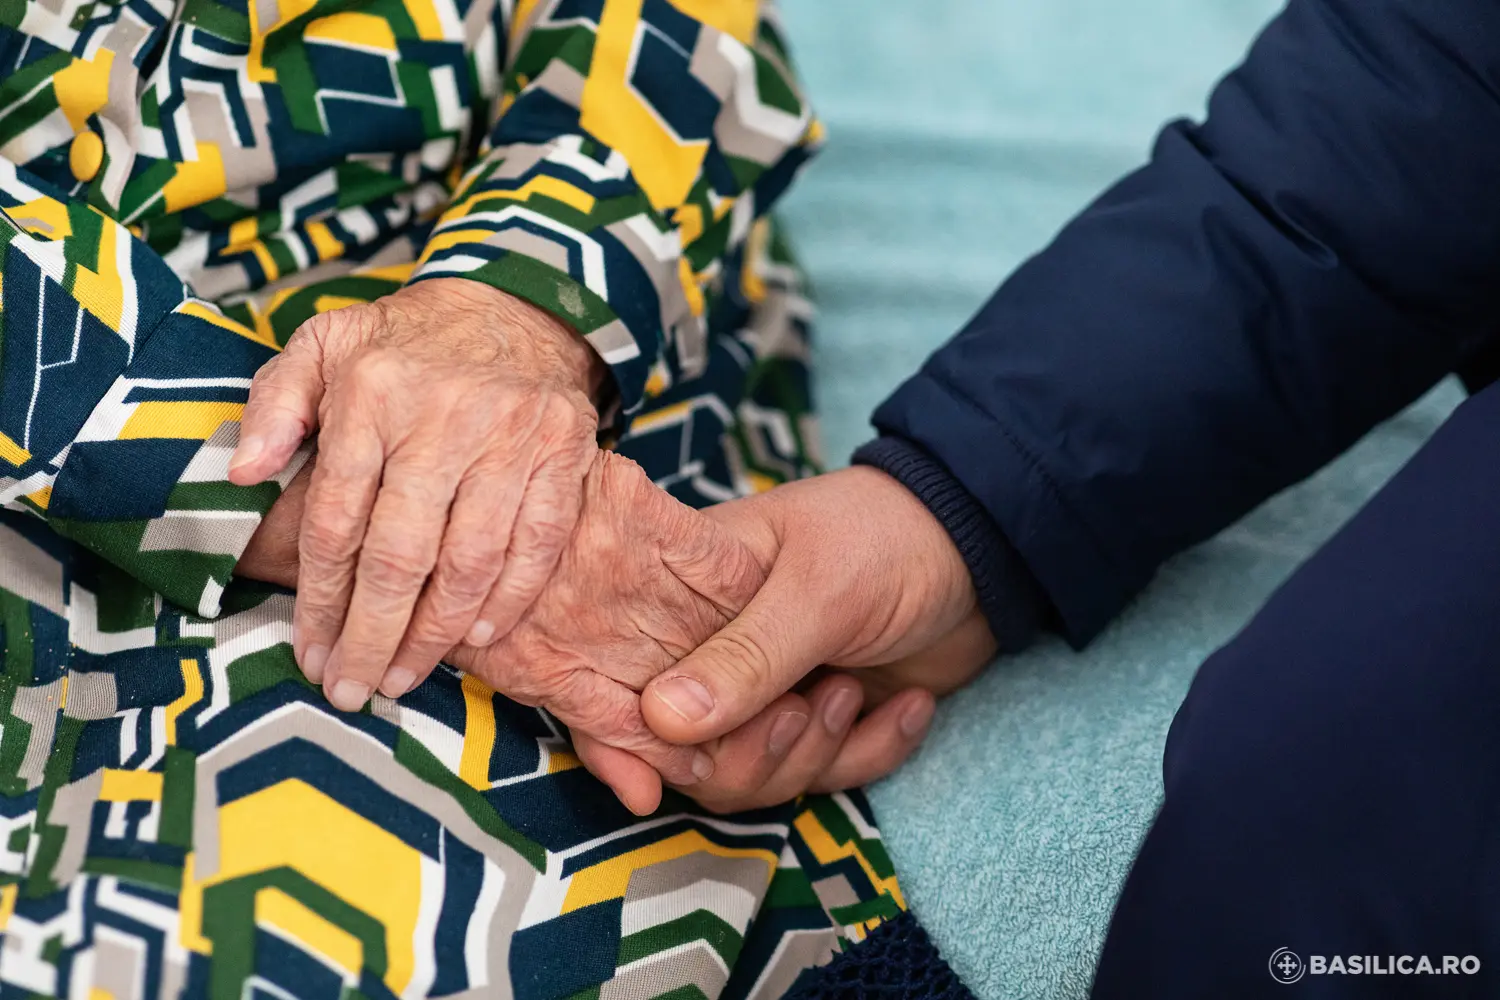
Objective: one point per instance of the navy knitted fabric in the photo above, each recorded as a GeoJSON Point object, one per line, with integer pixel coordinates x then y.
{"type": "Point", "coordinates": [1010, 597]}
{"type": "Point", "coordinates": [897, 961]}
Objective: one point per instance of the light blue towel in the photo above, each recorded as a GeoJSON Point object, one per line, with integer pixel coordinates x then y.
{"type": "Point", "coordinates": [963, 133]}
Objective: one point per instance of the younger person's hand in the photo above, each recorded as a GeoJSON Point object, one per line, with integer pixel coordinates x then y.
{"type": "Point", "coordinates": [271, 555]}
{"type": "Point", "coordinates": [861, 575]}
{"type": "Point", "coordinates": [798, 745]}
{"type": "Point", "coordinates": [754, 767]}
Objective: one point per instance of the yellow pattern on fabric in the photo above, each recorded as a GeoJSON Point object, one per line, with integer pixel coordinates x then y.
{"type": "Point", "coordinates": [46, 218]}
{"type": "Point", "coordinates": [552, 187]}
{"type": "Point", "coordinates": [664, 166]}
{"type": "Point", "coordinates": [657, 418]}
{"type": "Point", "coordinates": [12, 452]}
{"type": "Point", "coordinates": [609, 879]}
{"type": "Point", "coordinates": [690, 286]}
{"type": "Point", "coordinates": [324, 242]}
{"type": "Point", "coordinates": [274, 908]}
{"type": "Point", "coordinates": [186, 420]}
{"type": "Point", "coordinates": [243, 234]}
{"type": "Point", "coordinates": [197, 180]}
{"type": "Point", "coordinates": [287, 10]}
{"type": "Point", "coordinates": [82, 89]}
{"type": "Point", "coordinates": [192, 693]}
{"type": "Point", "coordinates": [736, 18]}
{"type": "Point", "coordinates": [205, 312]}
{"type": "Point", "coordinates": [130, 786]}
{"type": "Point", "coordinates": [424, 15]}
{"type": "Point", "coordinates": [352, 27]}
{"type": "Point", "coordinates": [190, 911]}
{"type": "Point", "coordinates": [479, 733]}
{"type": "Point", "coordinates": [7, 903]}
{"type": "Point", "coordinates": [521, 19]}
{"type": "Point", "coordinates": [261, 831]}
{"type": "Point", "coordinates": [562, 760]}
{"type": "Point", "coordinates": [827, 850]}
{"type": "Point", "coordinates": [752, 285]}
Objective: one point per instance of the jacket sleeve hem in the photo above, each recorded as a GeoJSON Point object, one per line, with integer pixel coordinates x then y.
{"type": "Point", "coordinates": [1009, 596]}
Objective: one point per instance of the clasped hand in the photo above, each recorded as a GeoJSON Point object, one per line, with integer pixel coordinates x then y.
{"type": "Point", "coordinates": [459, 509]}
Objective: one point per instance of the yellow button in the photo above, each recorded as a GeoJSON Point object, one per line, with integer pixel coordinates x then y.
{"type": "Point", "coordinates": [86, 155]}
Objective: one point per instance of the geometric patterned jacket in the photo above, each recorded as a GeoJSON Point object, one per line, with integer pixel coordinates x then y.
{"type": "Point", "coordinates": [182, 183]}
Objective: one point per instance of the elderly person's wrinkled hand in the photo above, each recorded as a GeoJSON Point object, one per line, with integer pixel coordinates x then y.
{"type": "Point", "coordinates": [642, 580]}
{"type": "Point", "coordinates": [455, 424]}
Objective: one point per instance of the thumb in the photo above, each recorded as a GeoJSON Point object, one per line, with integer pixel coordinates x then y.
{"type": "Point", "coordinates": [773, 644]}
{"type": "Point", "coordinates": [283, 406]}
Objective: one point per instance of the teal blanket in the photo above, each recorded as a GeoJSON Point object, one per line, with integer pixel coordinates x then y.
{"type": "Point", "coordinates": [963, 133]}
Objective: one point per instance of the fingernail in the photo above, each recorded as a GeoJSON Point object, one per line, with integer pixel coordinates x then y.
{"type": "Point", "coordinates": [703, 766]}
{"type": "Point", "coordinates": [916, 719]}
{"type": "Point", "coordinates": [398, 681]}
{"type": "Point", "coordinates": [840, 710]}
{"type": "Point", "coordinates": [784, 732]}
{"type": "Point", "coordinates": [313, 662]}
{"type": "Point", "coordinates": [250, 448]}
{"type": "Point", "coordinates": [349, 696]}
{"type": "Point", "coordinates": [480, 633]}
{"type": "Point", "coordinates": [686, 697]}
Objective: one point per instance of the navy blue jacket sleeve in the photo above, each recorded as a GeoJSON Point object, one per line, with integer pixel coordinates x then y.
{"type": "Point", "coordinates": [1320, 251]}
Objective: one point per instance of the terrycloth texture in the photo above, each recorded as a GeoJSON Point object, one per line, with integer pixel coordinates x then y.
{"type": "Point", "coordinates": [962, 134]}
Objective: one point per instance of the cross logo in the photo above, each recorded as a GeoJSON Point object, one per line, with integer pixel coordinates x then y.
{"type": "Point", "coordinates": [1286, 966]}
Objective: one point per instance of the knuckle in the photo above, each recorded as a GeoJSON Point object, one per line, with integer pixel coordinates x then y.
{"type": "Point", "coordinates": [462, 574]}
{"type": "Point", "coordinates": [609, 718]}
{"type": "Point", "coordinates": [738, 784]}
{"type": "Point", "coordinates": [418, 483]}
{"type": "Point", "coordinates": [622, 478]}
{"type": "Point", "coordinates": [529, 667]}
{"type": "Point", "coordinates": [545, 533]}
{"type": "Point", "coordinates": [568, 419]}
{"type": "Point", "coordinates": [350, 321]}
{"type": "Point", "coordinates": [432, 630]}
{"type": "Point", "coordinates": [267, 375]}
{"type": "Point", "coordinates": [319, 331]}
{"type": "Point", "coordinates": [389, 569]}
{"type": "Point", "coordinates": [317, 613]}
{"type": "Point", "coordinates": [372, 371]}
{"type": "Point", "coordinates": [365, 661]}
{"type": "Point", "coordinates": [325, 541]}
{"type": "Point", "coordinates": [318, 326]}
{"type": "Point", "coordinates": [741, 659]}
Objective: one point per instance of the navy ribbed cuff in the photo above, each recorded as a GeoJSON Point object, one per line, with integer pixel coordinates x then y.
{"type": "Point", "coordinates": [1009, 596]}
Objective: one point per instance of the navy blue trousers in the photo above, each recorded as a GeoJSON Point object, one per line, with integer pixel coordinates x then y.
{"type": "Point", "coordinates": [1332, 780]}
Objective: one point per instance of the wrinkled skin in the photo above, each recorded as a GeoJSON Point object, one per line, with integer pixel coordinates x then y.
{"type": "Point", "coordinates": [642, 581]}
{"type": "Point", "coordinates": [455, 425]}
